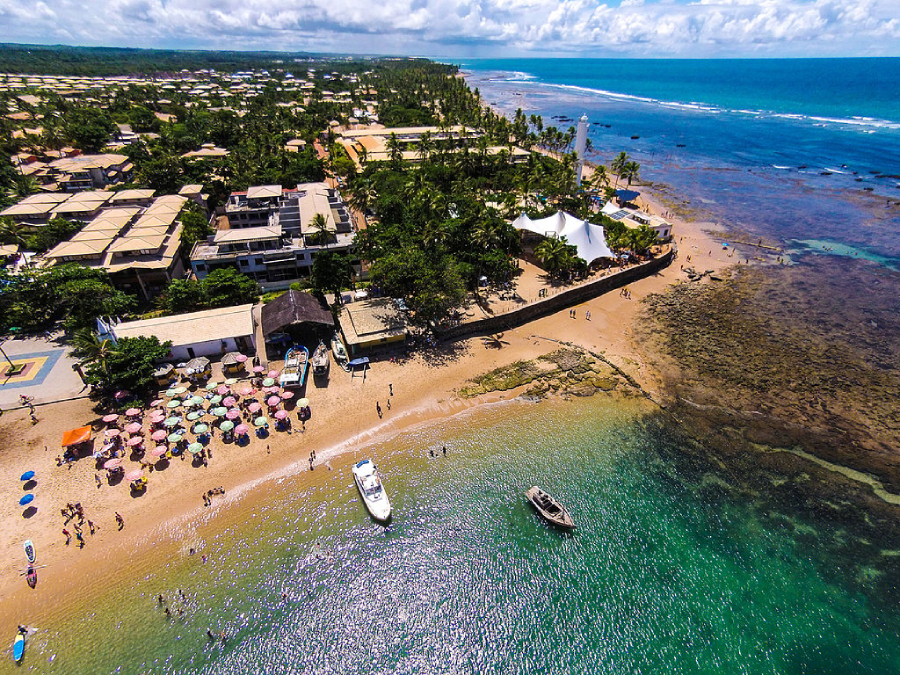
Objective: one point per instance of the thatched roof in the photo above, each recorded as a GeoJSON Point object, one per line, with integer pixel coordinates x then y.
{"type": "Point", "coordinates": [294, 307]}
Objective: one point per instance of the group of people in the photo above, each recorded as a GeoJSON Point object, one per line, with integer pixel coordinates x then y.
{"type": "Point", "coordinates": [209, 494]}
{"type": "Point", "coordinates": [74, 513]}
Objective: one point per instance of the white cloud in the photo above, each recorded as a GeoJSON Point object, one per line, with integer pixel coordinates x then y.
{"type": "Point", "coordinates": [634, 27]}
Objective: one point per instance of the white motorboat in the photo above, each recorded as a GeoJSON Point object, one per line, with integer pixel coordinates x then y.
{"type": "Point", "coordinates": [372, 491]}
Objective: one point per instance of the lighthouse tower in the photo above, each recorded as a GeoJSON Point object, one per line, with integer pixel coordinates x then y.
{"type": "Point", "coordinates": [580, 146]}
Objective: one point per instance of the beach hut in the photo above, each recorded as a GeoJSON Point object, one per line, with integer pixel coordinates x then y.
{"type": "Point", "coordinates": [164, 375]}
{"type": "Point", "coordinates": [198, 368]}
{"type": "Point", "coordinates": [233, 362]}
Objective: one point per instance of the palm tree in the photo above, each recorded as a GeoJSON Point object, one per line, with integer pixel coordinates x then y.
{"type": "Point", "coordinates": [394, 149]}
{"type": "Point", "coordinates": [618, 165]}
{"type": "Point", "coordinates": [555, 255]}
{"type": "Point", "coordinates": [320, 224]}
{"type": "Point", "coordinates": [425, 146]}
{"type": "Point", "coordinates": [630, 171]}
{"type": "Point", "coordinates": [12, 232]}
{"type": "Point", "coordinates": [88, 348]}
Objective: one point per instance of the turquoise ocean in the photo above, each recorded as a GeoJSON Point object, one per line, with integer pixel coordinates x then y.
{"type": "Point", "coordinates": [678, 565]}
{"type": "Point", "coordinates": [671, 570]}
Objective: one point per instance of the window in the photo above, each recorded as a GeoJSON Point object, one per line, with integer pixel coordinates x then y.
{"type": "Point", "coordinates": [244, 263]}
{"type": "Point", "coordinates": [258, 261]}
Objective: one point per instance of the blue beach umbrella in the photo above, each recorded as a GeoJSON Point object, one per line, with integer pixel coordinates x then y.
{"type": "Point", "coordinates": [27, 499]}
{"type": "Point", "coordinates": [28, 475]}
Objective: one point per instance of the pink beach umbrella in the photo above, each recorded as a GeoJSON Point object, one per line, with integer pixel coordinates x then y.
{"type": "Point", "coordinates": [114, 463]}
{"type": "Point", "coordinates": [159, 435]}
{"type": "Point", "coordinates": [273, 401]}
{"type": "Point", "coordinates": [157, 418]}
{"type": "Point", "coordinates": [132, 412]}
{"type": "Point", "coordinates": [274, 373]}
{"type": "Point", "coordinates": [233, 414]}
{"type": "Point", "coordinates": [122, 393]}
{"type": "Point", "coordinates": [241, 429]}
{"type": "Point", "coordinates": [134, 441]}
{"type": "Point", "coordinates": [229, 401]}
{"type": "Point", "coordinates": [247, 391]}
{"type": "Point", "coordinates": [254, 407]}
{"type": "Point", "coordinates": [222, 390]}
{"type": "Point", "coordinates": [134, 474]}
{"type": "Point", "coordinates": [159, 451]}
{"type": "Point", "coordinates": [112, 433]}
{"type": "Point", "coordinates": [240, 358]}
{"type": "Point", "coordinates": [281, 414]}
{"type": "Point", "coordinates": [259, 369]}
{"type": "Point", "coordinates": [287, 395]}
{"type": "Point", "coordinates": [155, 402]}
{"type": "Point", "coordinates": [133, 428]}
{"type": "Point", "coordinates": [112, 418]}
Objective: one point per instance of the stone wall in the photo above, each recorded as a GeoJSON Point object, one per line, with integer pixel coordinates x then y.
{"type": "Point", "coordinates": [567, 298]}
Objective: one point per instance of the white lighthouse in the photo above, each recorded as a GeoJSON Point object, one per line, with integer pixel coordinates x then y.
{"type": "Point", "coordinates": [580, 146]}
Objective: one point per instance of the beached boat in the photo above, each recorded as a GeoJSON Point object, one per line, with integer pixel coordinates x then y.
{"type": "Point", "coordinates": [30, 552]}
{"type": "Point", "coordinates": [339, 351]}
{"type": "Point", "coordinates": [296, 362]}
{"type": "Point", "coordinates": [31, 576]}
{"type": "Point", "coordinates": [372, 491]}
{"type": "Point", "coordinates": [320, 361]}
{"type": "Point", "coordinates": [549, 508]}
{"type": "Point", "coordinates": [19, 647]}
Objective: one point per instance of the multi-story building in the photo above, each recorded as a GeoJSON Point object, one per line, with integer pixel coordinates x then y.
{"type": "Point", "coordinates": [274, 236]}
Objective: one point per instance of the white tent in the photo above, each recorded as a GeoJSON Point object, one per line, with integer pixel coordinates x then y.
{"type": "Point", "coordinates": [587, 238]}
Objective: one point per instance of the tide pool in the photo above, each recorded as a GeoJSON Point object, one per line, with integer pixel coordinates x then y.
{"type": "Point", "coordinates": [671, 570]}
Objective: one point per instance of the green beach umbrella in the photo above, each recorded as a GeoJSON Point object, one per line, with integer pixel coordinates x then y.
{"type": "Point", "coordinates": [268, 382]}
{"type": "Point", "coordinates": [211, 385]}
{"type": "Point", "coordinates": [215, 400]}
{"type": "Point", "coordinates": [260, 422]}
{"type": "Point", "coordinates": [219, 412]}
{"type": "Point", "coordinates": [174, 438]}
{"type": "Point", "coordinates": [194, 448]}
{"type": "Point", "coordinates": [227, 425]}
{"type": "Point", "coordinates": [230, 381]}
{"type": "Point", "coordinates": [194, 416]}
{"type": "Point", "coordinates": [194, 401]}
{"type": "Point", "coordinates": [171, 392]}
{"type": "Point", "coordinates": [174, 403]}
{"type": "Point", "coordinates": [171, 422]}
{"type": "Point", "coordinates": [179, 390]}
{"type": "Point", "coordinates": [201, 429]}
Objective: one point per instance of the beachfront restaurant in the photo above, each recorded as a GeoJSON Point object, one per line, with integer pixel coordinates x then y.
{"type": "Point", "coordinates": [373, 325]}
{"type": "Point", "coordinates": [210, 333]}
{"type": "Point", "coordinates": [295, 318]}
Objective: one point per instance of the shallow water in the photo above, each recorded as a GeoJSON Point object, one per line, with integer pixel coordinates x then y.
{"type": "Point", "coordinates": [669, 571]}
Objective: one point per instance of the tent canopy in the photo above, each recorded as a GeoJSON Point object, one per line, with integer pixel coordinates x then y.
{"type": "Point", "coordinates": [76, 436]}
{"type": "Point", "coordinates": [587, 238]}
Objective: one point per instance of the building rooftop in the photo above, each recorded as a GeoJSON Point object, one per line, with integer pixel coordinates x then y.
{"type": "Point", "coordinates": [372, 320]}
{"type": "Point", "coordinates": [187, 329]}
{"type": "Point", "coordinates": [264, 192]}
{"type": "Point", "coordinates": [246, 234]}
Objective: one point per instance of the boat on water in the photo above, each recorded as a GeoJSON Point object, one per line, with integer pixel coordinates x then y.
{"type": "Point", "coordinates": [30, 552]}
{"type": "Point", "coordinates": [320, 360]}
{"type": "Point", "coordinates": [296, 362]}
{"type": "Point", "coordinates": [549, 508]}
{"type": "Point", "coordinates": [339, 351]}
{"type": "Point", "coordinates": [365, 473]}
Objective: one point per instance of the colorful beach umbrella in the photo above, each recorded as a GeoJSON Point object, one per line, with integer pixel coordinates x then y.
{"type": "Point", "coordinates": [109, 419]}
{"type": "Point", "coordinates": [215, 400]}
{"type": "Point", "coordinates": [28, 475]}
{"type": "Point", "coordinates": [259, 369]}
{"type": "Point", "coordinates": [174, 403]}
{"type": "Point", "coordinates": [281, 414]}
{"type": "Point", "coordinates": [179, 390]}
{"type": "Point", "coordinates": [134, 474]}
{"type": "Point", "coordinates": [134, 441]}
{"type": "Point", "coordinates": [229, 401]}
{"type": "Point", "coordinates": [241, 358]}
{"type": "Point", "coordinates": [254, 407]}
{"type": "Point", "coordinates": [271, 390]}
{"type": "Point", "coordinates": [171, 422]}
{"type": "Point", "coordinates": [226, 426]}
{"type": "Point", "coordinates": [231, 381]}
{"type": "Point", "coordinates": [159, 451]}
{"type": "Point", "coordinates": [112, 433]}
{"type": "Point", "coordinates": [241, 429]}
{"type": "Point", "coordinates": [268, 382]}
{"type": "Point", "coordinates": [274, 373]}
{"type": "Point", "coordinates": [273, 401]}
{"type": "Point", "coordinates": [133, 428]}
{"type": "Point", "coordinates": [201, 429]}
{"type": "Point", "coordinates": [113, 463]}
{"type": "Point", "coordinates": [122, 393]}
{"type": "Point", "coordinates": [158, 435]}
{"type": "Point", "coordinates": [303, 402]}
{"type": "Point", "coordinates": [260, 422]}
{"type": "Point", "coordinates": [155, 402]}
{"type": "Point", "coordinates": [173, 438]}
{"type": "Point", "coordinates": [222, 390]}
{"type": "Point", "coordinates": [27, 499]}
{"type": "Point", "coordinates": [157, 417]}
{"type": "Point", "coordinates": [211, 385]}
{"type": "Point", "coordinates": [219, 412]}
{"type": "Point", "coordinates": [194, 415]}
{"type": "Point", "coordinates": [247, 391]}
{"type": "Point", "coordinates": [287, 395]}
{"type": "Point", "coordinates": [233, 414]}
{"type": "Point", "coordinates": [171, 392]}
{"type": "Point", "coordinates": [194, 448]}
{"type": "Point", "coordinates": [132, 412]}
{"type": "Point", "coordinates": [194, 401]}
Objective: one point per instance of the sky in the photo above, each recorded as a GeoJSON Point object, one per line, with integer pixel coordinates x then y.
{"type": "Point", "coordinates": [470, 28]}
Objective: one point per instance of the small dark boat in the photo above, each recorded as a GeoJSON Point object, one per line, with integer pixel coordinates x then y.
{"type": "Point", "coordinates": [549, 508]}
{"type": "Point", "coordinates": [31, 576]}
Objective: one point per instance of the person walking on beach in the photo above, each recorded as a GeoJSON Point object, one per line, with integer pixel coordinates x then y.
{"type": "Point", "coordinates": [378, 409]}
{"type": "Point", "coordinates": [120, 521]}
{"type": "Point", "coordinates": [93, 528]}
{"type": "Point", "coordinates": [68, 536]}
{"type": "Point", "coordinates": [587, 315]}
{"type": "Point", "coordinates": [390, 388]}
